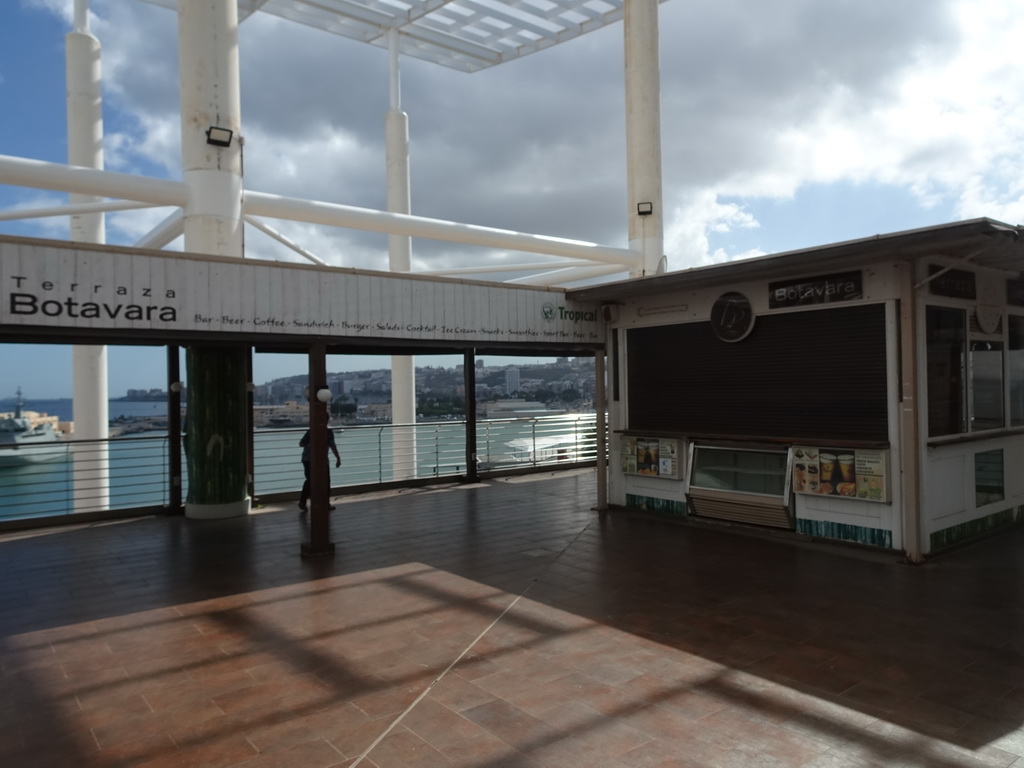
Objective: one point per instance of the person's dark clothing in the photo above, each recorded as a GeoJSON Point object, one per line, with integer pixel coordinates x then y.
{"type": "Point", "coordinates": [304, 442]}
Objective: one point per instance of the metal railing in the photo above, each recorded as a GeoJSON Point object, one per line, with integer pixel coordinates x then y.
{"type": "Point", "coordinates": [130, 472]}
{"type": "Point", "coordinates": [85, 476]}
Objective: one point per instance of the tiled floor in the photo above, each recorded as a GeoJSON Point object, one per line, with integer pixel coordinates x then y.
{"type": "Point", "coordinates": [503, 624]}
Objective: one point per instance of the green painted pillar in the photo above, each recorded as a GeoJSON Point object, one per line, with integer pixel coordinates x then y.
{"type": "Point", "coordinates": [216, 443]}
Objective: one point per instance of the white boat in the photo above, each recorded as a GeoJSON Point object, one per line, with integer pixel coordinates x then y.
{"type": "Point", "coordinates": [542, 450]}
{"type": "Point", "coordinates": [23, 442]}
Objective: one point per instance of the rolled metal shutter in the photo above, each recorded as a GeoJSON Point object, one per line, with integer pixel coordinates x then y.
{"type": "Point", "coordinates": [807, 377]}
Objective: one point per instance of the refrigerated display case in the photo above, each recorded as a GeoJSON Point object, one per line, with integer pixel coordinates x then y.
{"type": "Point", "coordinates": [745, 485]}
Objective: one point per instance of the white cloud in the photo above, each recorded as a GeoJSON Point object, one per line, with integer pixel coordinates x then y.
{"type": "Point", "coordinates": [690, 222]}
{"type": "Point", "coordinates": [758, 101]}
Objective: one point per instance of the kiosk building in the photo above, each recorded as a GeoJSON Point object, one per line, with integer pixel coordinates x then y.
{"type": "Point", "coordinates": [869, 391]}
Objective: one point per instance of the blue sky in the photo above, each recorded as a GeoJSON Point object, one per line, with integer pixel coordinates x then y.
{"type": "Point", "coordinates": [785, 125]}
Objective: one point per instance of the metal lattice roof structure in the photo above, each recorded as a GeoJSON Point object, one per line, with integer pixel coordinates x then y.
{"type": "Point", "coordinates": [466, 35]}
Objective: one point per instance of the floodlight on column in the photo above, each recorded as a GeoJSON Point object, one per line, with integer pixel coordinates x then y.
{"type": "Point", "coordinates": [219, 137]}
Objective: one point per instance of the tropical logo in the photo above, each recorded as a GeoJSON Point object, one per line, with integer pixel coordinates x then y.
{"type": "Point", "coordinates": [551, 312]}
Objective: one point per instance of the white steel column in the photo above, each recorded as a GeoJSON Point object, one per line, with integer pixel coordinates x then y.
{"type": "Point", "coordinates": [601, 424]}
{"type": "Point", "coordinates": [911, 435]}
{"type": "Point", "coordinates": [643, 133]}
{"type": "Point", "coordinates": [90, 403]}
{"type": "Point", "coordinates": [217, 441]}
{"type": "Point", "coordinates": [403, 369]}
{"type": "Point", "coordinates": [208, 51]}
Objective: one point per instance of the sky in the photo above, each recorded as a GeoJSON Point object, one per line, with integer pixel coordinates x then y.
{"type": "Point", "coordinates": [784, 125]}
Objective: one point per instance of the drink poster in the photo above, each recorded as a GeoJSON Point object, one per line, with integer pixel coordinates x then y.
{"type": "Point", "coordinates": [647, 456]}
{"type": "Point", "coordinates": [656, 457]}
{"type": "Point", "coordinates": [841, 472]}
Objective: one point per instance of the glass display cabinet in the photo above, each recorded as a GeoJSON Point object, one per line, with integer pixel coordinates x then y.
{"type": "Point", "coordinates": [740, 484]}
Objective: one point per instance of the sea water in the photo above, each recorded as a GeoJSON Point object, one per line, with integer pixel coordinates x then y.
{"type": "Point", "coordinates": [62, 409]}
{"type": "Point", "coordinates": [138, 463]}
{"type": "Point", "coordinates": [137, 468]}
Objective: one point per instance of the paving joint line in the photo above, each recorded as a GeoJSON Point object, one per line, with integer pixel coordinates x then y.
{"type": "Point", "coordinates": [466, 650]}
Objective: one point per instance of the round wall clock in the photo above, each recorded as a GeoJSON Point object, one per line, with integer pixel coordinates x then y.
{"type": "Point", "coordinates": [732, 318]}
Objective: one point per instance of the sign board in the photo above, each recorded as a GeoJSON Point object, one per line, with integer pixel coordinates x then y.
{"type": "Point", "coordinates": [824, 289]}
{"type": "Point", "coordinates": [63, 286]}
{"type": "Point", "coordinates": [954, 283]}
{"type": "Point", "coordinates": [845, 472]}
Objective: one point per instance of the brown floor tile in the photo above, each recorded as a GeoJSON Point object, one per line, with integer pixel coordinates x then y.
{"type": "Point", "coordinates": [607, 699]}
{"type": "Point", "coordinates": [573, 753]}
{"type": "Point", "coordinates": [388, 702]}
{"type": "Point", "coordinates": [640, 643]}
{"type": "Point", "coordinates": [311, 754]}
{"type": "Point", "coordinates": [139, 751]}
{"type": "Point", "coordinates": [458, 693]}
{"type": "Point", "coordinates": [487, 749]}
{"type": "Point", "coordinates": [286, 691]}
{"type": "Point", "coordinates": [213, 753]}
{"type": "Point", "coordinates": [657, 754]}
{"type": "Point", "coordinates": [523, 691]}
{"type": "Point", "coordinates": [405, 749]}
{"type": "Point", "coordinates": [135, 727]}
{"type": "Point", "coordinates": [512, 725]}
{"type": "Point", "coordinates": [440, 726]}
{"type": "Point", "coordinates": [609, 735]}
{"type": "Point", "coordinates": [332, 723]}
{"type": "Point", "coordinates": [353, 742]}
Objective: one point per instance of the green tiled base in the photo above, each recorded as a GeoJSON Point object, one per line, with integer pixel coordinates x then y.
{"type": "Point", "coordinates": [955, 534]}
{"type": "Point", "coordinates": [668, 507]}
{"type": "Point", "coordinates": [875, 537]}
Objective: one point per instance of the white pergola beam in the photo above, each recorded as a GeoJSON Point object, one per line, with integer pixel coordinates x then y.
{"type": "Point", "coordinates": [482, 270]}
{"type": "Point", "coordinates": [351, 217]}
{"type": "Point", "coordinates": [70, 210]}
{"type": "Point", "coordinates": [563, 276]}
{"type": "Point", "coordinates": [54, 176]}
{"type": "Point", "coordinates": [164, 233]}
{"type": "Point", "coordinates": [284, 240]}
{"type": "Point", "coordinates": [38, 174]}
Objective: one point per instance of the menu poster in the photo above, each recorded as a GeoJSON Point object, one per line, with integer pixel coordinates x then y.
{"type": "Point", "coordinates": [650, 456]}
{"type": "Point", "coordinates": [629, 455]}
{"type": "Point", "coordinates": [871, 473]}
{"type": "Point", "coordinates": [667, 458]}
{"type": "Point", "coordinates": [840, 472]}
{"type": "Point", "coordinates": [806, 474]}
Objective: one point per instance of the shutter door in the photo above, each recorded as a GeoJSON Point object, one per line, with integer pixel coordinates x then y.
{"type": "Point", "coordinates": [814, 376]}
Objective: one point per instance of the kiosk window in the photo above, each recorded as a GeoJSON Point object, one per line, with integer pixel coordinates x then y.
{"type": "Point", "coordinates": [986, 385]}
{"type": "Point", "coordinates": [966, 377]}
{"type": "Point", "coordinates": [946, 332]}
{"type": "Point", "coordinates": [988, 477]}
{"type": "Point", "coordinates": [1015, 366]}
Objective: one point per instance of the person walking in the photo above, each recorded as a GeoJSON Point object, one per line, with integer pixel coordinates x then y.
{"type": "Point", "coordinates": [304, 443]}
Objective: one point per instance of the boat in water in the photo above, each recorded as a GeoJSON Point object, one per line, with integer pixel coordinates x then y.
{"type": "Point", "coordinates": [24, 441]}
{"type": "Point", "coordinates": [536, 451]}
